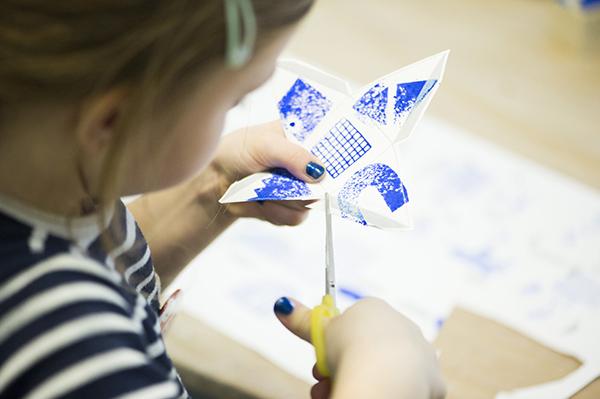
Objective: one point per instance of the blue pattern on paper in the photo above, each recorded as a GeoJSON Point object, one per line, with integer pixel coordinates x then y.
{"type": "Point", "coordinates": [378, 175]}
{"type": "Point", "coordinates": [373, 103]}
{"type": "Point", "coordinates": [282, 185]}
{"type": "Point", "coordinates": [341, 147]}
{"type": "Point", "coordinates": [410, 94]}
{"type": "Point", "coordinates": [302, 109]}
{"type": "Point", "coordinates": [351, 294]}
{"type": "Point", "coordinates": [482, 259]}
{"type": "Point", "coordinates": [579, 288]}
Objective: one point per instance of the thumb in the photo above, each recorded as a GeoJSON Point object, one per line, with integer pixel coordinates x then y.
{"type": "Point", "coordinates": [275, 150]}
{"type": "Point", "coordinates": [294, 316]}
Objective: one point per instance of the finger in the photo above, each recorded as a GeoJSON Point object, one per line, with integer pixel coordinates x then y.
{"type": "Point", "coordinates": [316, 374]}
{"type": "Point", "coordinates": [269, 211]}
{"type": "Point", "coordinates": [321, 390]}
{"type": "Point", "coordinates": [274, 150]}
{"type": "Point", "coordinates": [294, 316]}
{"type": "Point", "coordinates": [280, 215]}
{"type": "Point", "coordinates": [298, 205]}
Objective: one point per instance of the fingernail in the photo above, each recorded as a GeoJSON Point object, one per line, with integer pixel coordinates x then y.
{"type": "Point", "coordinates": [314, 170]}
{"type": "Point", "coordinates": [283, 306]}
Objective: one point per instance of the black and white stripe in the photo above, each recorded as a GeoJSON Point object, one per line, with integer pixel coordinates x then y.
{"type": "Point", "coordinates": [71, 324]}
{"type": "Point", "coordinates": [131, 255]}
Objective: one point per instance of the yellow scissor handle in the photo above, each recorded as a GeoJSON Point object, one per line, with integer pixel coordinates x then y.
{"type": "Point", "coordinates": [326, 310]}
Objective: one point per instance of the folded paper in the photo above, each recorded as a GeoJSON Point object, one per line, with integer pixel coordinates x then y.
{"type": "Point", "coordinates": [356, 136]}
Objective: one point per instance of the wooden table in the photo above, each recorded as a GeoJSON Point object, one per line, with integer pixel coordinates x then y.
{"type": "Point", "coordinates": [479, 357]}
{"type": "Point", "coordinates": [524, 74]}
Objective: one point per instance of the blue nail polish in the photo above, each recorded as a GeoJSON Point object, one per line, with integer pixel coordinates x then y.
{"type": "Point", "coordinates": [283, 306]}
{"type": "Point", "coordinates": [314, 170]}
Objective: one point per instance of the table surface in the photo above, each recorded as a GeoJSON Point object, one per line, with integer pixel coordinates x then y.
{"type": "Point", "coordinates": [524, 74]}
{"type": "Point", "coordinates": [479, 357]}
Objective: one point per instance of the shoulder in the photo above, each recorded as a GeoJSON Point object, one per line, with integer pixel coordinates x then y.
{"type": "Point", "coordinates": [48, 277]}
{"type": "Point", "coordinates": [68, 327]}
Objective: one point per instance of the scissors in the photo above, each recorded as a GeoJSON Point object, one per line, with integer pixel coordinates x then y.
{"type": "Point", "coordinates": [327, 309]}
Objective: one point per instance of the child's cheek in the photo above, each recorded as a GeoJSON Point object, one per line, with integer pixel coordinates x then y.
{"type": "Point", "coordinates": [193, 152]}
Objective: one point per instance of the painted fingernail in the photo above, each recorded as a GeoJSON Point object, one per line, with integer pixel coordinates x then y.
{"type": "Point", "coordinates": [314, 170]}
{"type": "Point", "coordinates": [283, 306]}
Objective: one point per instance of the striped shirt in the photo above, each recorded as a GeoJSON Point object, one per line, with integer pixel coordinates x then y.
{"type": "Point", "coordinates": [77, 321]}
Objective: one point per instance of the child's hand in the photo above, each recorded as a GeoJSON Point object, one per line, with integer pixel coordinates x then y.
{"type": "Point", "coordinates": [181, 221]}
{"type": "Point", "coordinates": [372, 352]}
{"type": "Point", "coordinates": [260, 148]}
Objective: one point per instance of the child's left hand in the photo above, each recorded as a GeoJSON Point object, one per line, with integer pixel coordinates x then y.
{"type": "Point", "coordinates": [181, 221]}
{"type": "Point", "coordinates": [259, 148]}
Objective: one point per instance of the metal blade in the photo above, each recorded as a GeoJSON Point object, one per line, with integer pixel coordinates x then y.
{"type": "Point", "coordinates": [329, 261]}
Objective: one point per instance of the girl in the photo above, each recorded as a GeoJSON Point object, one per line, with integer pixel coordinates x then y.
{"type": "Point", "coordinates": [105, 98]}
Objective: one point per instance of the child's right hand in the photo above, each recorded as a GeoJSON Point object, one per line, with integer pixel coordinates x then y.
{"type": "Point", "coordinates": [372, 352]}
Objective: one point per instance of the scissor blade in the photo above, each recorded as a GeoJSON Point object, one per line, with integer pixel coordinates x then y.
{"type": "Point", "coordinates": [329, 261]}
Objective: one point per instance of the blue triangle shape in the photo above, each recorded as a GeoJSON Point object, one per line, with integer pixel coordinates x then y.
{"type": "Point", "coordinates": [410, 94]}
{"type": "Point", "coordinates": [373, 103]}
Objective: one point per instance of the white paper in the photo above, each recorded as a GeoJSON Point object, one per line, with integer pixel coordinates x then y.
{"type": "Point", "coordinates": [563, 388]}
{"type": "Point", "coordinates": [354, 135]}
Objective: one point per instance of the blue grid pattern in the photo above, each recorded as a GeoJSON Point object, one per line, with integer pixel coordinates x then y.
{"type": "Point", "coordinates": [342, 146]}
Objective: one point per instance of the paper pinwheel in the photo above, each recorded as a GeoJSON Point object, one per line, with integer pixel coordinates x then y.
{"type": "Point", "coordinates": [354, 134]}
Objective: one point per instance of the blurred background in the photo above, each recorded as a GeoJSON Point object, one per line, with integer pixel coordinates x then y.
{"type": "Point", "coordinates": [522, 73]}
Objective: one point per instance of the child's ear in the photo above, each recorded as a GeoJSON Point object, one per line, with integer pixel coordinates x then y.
{"type": "Point", "coordinates": [97, 120]}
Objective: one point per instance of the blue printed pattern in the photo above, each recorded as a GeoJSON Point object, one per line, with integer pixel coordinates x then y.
{"type": "Point", "coordinates": [342, 146]}
{"type": "Point", "coordinates": [302, 109]}
{"type": "Point", "coordinates": [373, 103]}
{"type": "Point", "coordinates": [282, 185]}
{"type": "Point", "coordinates": [378, 175]}
{"type": "Point", "coordinates": [351, 294]}
{"type": "Point", "coordinates": [410, 94]}
{"type": "Point", "coordinates": [590, 3]}
{"type": "Point", "coordinates": [482, 259]}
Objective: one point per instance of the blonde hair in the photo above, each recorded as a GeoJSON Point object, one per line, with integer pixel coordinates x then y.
{"type": "Point", "coordinates": [72, 49]}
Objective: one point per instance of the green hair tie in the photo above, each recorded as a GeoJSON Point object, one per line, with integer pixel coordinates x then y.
{"type": "Point", "coordinates": [241, 32]}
